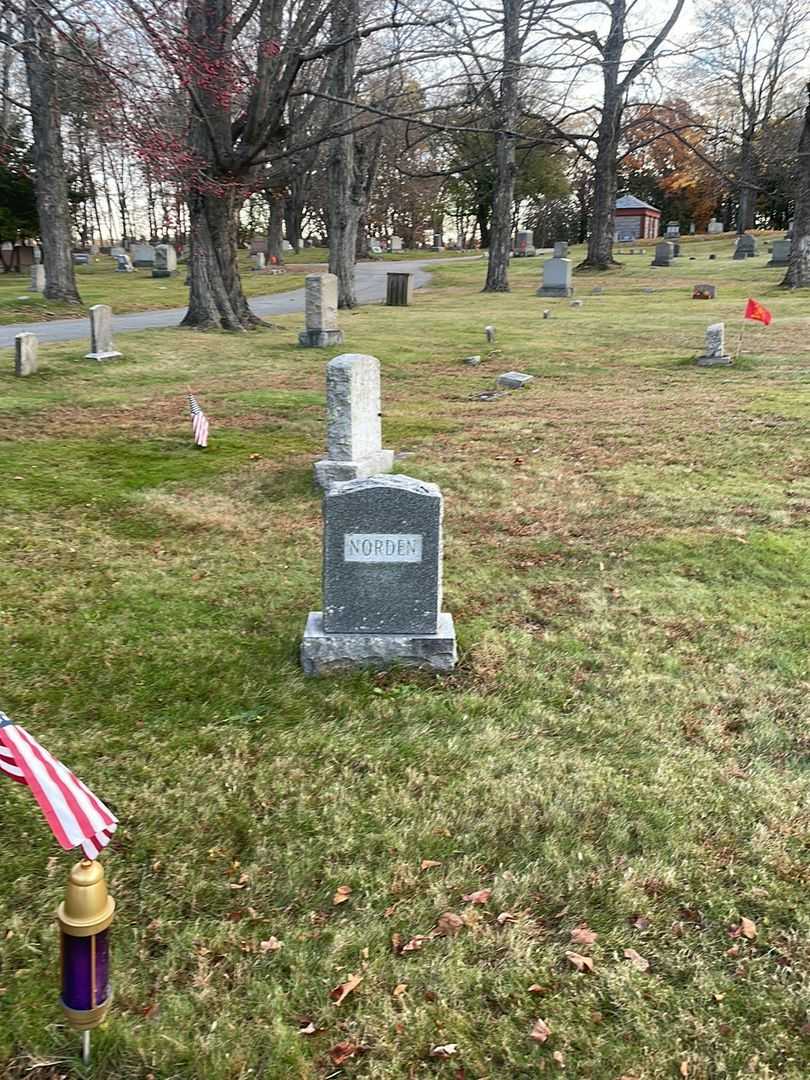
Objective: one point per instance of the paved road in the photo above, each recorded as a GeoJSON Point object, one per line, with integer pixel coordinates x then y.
{"type": "Point", "coordinates": [370, 284]}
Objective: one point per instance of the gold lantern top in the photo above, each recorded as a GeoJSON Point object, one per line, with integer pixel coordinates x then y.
{"type": "Point", "coordinates": [87, 908]}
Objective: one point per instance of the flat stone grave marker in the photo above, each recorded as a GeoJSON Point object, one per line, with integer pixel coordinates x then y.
{"type": "Point", "coordinates": [320, 312]}
{"type": "Point", "coordinates": [26, 361]}
{"type": "Point", "coordinates": [514, 380]}
{"type": "Point", "coordinates": [556, 278]}
{"type": "Point", "coordinates": [704, 292]}
{"type": "Point", "coordinates": [382, 579]}
{"type": "Point", "coordinates": [101, 342]}
{"type": "Point", "coordinates": [714, 353]}
{"type": "Point", "coordinates": [353, 430]}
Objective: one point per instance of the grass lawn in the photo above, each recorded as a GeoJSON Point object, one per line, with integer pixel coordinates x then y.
{"type": "Point", "coordinates": [100, 283]}
{"type": "Point", "coordinates": [621, 756]}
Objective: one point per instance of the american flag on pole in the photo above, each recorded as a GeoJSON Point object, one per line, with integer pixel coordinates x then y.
{"type": "Point", "coordinates": [199, 423]}
{"type": "Point", "coordinates": [76, 817]}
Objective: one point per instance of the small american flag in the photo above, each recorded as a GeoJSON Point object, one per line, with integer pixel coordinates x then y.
{"type": "Point", "coordinates": [199, 423]}
{"type": "Point", "coordinates": [76, 817]}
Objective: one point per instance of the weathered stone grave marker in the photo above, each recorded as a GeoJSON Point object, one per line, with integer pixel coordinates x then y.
{"type": "Point", "coordinates": [561, 249]}
{"type": "Point", "coordinates": [714, 352]}
{"type": "Point", "coordinates": [556, 278]}
{"type": "Point", "coordinates": [165, 264]}
{"type": "Point", "coordinates": [26, 361]}
{"type": "Point", "coordinates": [704, 291]}
{"type": "Point", "coordinates": [382, 579]}
{"type": "Point", "coordinates": [514, 380]}
{"type": "Point", "coordinates": [663, 254]}
{"type": "Point", "coordinates": [101, 342]}
{"type": "Point", "coordinates": [353, 430]}
{"type": "Point", "coordinates": [746, 247]}
{"type": "Point", "coordinates": [320, 312]}
{"type": "Point", "coordinates": [37, 277]}
{"type": "Point", "coordinates": [780, 253]}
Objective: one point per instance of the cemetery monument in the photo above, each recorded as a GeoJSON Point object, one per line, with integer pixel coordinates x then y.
{"type": "Point", "coordinates": [382, 580]}
{"type": "Point", "coordinates": [714, 353]}
{"type": "Point", "coordinates": [353, 429]}
{"type": "Point", "coordinates": [320, 312]}
{"type": "Point", "coordinates": [101, 342]}
{"type": "Point", "coordinates": [556, 278]}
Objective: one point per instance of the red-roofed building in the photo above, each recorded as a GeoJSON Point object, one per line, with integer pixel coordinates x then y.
{"type": "Point", "coordinates": [635, 220]}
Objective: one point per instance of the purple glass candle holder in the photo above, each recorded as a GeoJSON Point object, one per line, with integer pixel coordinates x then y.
{"type": "Point", "coordinates": [85, 971]}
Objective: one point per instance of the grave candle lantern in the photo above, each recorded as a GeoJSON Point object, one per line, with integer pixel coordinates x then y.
{"type": "Point", "coordinates": [84, 920]}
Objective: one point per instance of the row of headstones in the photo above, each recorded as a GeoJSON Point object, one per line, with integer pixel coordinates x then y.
{"type": "Point", "coordinates": [26, 346]}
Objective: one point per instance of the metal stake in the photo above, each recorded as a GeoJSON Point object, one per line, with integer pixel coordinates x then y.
{"type": "Point", "coordinates": [86, 1047]}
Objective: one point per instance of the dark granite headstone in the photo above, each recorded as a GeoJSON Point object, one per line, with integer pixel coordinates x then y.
{"type": "Point", "coordinates": [382, 557]}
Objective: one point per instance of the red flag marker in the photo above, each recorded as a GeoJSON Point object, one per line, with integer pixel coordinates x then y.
{"type": "Point", "coordinates": [754, 310]}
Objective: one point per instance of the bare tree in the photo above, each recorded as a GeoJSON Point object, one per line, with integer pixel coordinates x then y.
{"type": "Point", "coordinates": [53, 208]}
{"type": "Point", "coordinates": [756, 46]}
{"type": "Point", "coordinates": [798, 273]}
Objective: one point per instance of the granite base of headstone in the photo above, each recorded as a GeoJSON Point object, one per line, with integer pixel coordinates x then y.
{"type": "Point", "coordinates": [320, 312]}
{"type": "Point", "coordinates": [382, 580]}
{"type": "Point", "coordinates": [353, 430]}
{"type": "Point", "coordinates": [663, 254]}
{"type": "Point", "coordinates": [26, 361]}
{"type": "Point", "coordinates": [780, 253]}
{"type": "Point", "coordinates": [101, 341]}
{"type": "Point", "coordinates": [37, 277]}
{"type": "Point", "coordinates": [556, 278]}
{"type": "Point", "coordinates": [714, 351]}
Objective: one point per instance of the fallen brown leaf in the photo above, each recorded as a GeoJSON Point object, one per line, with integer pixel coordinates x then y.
{"type": "Point", "coordinates": [540, 1031]}
{"type": "Point", "coordinates": [581, 963]}
{"type": "Point", "coordinates": [748, 928]}
{"type": "Point", "coordinates": [536, 988]}
{"type": "Point", "coordinates": [340, 993]}
{"type": "Point", "coordinates": [342, 894]}
{"type": "Point", "coordinates": [583, 935]}
{"type": "Point", "coordinates": [684, 1069]}
{"type": "Point", "coordinates": [449, 924]}
{"type": "Point", "coordinates": [559, 1058]}
{"type": "Point", "coordinates": [308, 1029]}
{"type": "Point", "coordinates": [480, 897]}
{"type": "Point", "coordinates": [399, 989]}
{"type": "Point", "coordinates": [428, 864]}
{"type": "Point", "coordinates": [638, 962]}
{"type": "Point", "coordinates": [342, 1051]}
{"type": "Point", "coordinates": [271, 945]}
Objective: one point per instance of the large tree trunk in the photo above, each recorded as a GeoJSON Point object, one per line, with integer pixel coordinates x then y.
{"type": "Point", "coordinates": [273, 248]}
{"type": "Point", "coordinates": [53, 207]}
{"type": "Point", "coordinates": [603, 207]}
{"type": "Point", "coordinates": [343, 208]}
{"type": "Point", "coordinates": [798, 272]}
{"type": "Point", "coordinates": [215, 296]}
{"type": "Point", "coordinates": [500, 232]}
